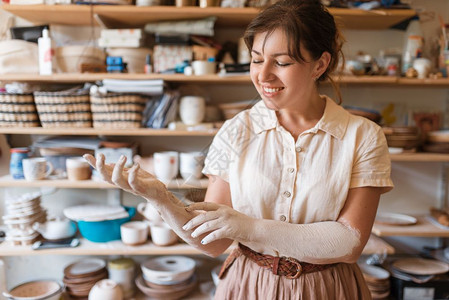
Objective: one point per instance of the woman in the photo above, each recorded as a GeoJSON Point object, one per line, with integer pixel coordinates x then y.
{"type": "Point", "coordinates": [295, 180]}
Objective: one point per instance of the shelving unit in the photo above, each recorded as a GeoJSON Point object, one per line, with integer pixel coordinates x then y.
{"type": "Point", "coordinates": [8, 181]}
{"type": "Point", "coordinates": [134, 16]}
{"type": "Point", "coordinates": [423, 228]}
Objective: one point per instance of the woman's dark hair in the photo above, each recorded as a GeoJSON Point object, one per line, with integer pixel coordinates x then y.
{"type": "Point", "coordinates": [305, 22]}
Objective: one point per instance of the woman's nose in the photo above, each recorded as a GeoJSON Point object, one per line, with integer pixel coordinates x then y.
{"type": "Point", "coordinates": [265, 73]}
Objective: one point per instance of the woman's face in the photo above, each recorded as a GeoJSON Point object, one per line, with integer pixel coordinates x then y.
{"type": "Point", "coordinates": [280, 80]}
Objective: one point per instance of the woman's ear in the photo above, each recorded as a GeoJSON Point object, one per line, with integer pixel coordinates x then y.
{"type": "Point", "coordinates": [321, 64]}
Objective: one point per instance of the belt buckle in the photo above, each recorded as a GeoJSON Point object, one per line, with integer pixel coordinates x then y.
{"type": "Point", "coordinates": [298, 268]}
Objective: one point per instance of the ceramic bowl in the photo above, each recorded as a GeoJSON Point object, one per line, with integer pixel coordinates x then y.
{"type": "Point", "coordinates": [106, 289]}
{"type": "Point", "coordinates": [167, 270]}
{"type": "Point", "coordinates": [36, 290]}
{"type": "Point", "coordinates": [134, 233]}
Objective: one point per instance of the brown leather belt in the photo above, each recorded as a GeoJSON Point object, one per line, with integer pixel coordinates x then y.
{"type": "Point", "coordinates": [282, 266]}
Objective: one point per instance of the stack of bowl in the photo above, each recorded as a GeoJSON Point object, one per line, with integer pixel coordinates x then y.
{"type": "Point", "coordinates": [437, 142]}
{"type": "Point", "coordinates": [36, 290]}
{"type": "Point", "coordinates": [21, 214]}
{"type": "Point", "coordinates": [406, 137]}
{"type": "Point", "coordinates": [231, 109]}
{"type": "Point", "coordinates": [81, 276]}
{"type": "Point", "coordinates": [378, 281]}
{"type": "Point", "coordinates": [370, 114]}
{"type": "Point", "coordinates": [167, 277]}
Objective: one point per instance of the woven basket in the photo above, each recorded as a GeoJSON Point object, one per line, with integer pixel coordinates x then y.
{"type": "Point", "coordinates": [18, 110]}
{"type": "Point", "coordinates": [69, 108]}
{"type": "Point", "coordinates": [119, 111]}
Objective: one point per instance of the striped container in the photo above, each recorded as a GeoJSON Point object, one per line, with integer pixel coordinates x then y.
{"type": "Point", "coordinates": [70, 108]}
{"type": "Point", "coordinates": [117, 111]}
{"type": "Point", "coordinates": [18, 110]}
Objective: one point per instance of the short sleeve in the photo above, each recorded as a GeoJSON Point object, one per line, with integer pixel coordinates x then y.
{"type": "Point", "coordinates": [219, 155]}
{"type": "Point", "coordinates": [373, 166]}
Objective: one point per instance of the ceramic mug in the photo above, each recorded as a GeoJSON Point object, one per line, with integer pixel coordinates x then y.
{"type": "Point", "coordinates": [36, 168]}
{"type": "Point", "coordinates": [149, 212]}
{"type": "Point", "coordinates": [192, 109]}
{"type": "Point", "coordinates": [191, 165]}
{"type": "Point", "coordinates": [162, 234]}
{"type": "Point", "coordinates": [77, 168]}
{"type": "Point", "coordinates": [166, 165]}
{"type": "Point", "coordinates": [134, 232]}
{"type": "Point", "coordinates": [203, 67]}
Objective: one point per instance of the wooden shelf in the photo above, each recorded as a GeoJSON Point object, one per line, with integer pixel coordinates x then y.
{"type": "Point", "coordinates": [215, 78]}
{"type": "Point", "coordinates": [424, 228]}
{"type": "Point", "coordinates": [105, 132]}
{"type": "Point", "coordinates": [8, 181]}
{"type": "Point", "coordinates": [133, 16]}
{"type": "Point", "coordinates": [374, 245]}
{"type": "Point", "coordinates": [420, 157]}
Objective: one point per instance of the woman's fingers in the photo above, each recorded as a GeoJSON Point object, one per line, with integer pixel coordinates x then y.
{"type": "Point", "coordinates": [200, 219]}
{"type": "Point", "coordinates": [207, 227]}
{"type": "Point", "coordinates": [207, 206]}
{"type": "Point", "coordinates": [215, 235]}
{"type": "Point", "coordinates": [133, 180]}
{"type": "Point", "coordinates": [118, 177]}
{"type": "Point", "coordinates": [91, 160]}
{"type": "Point", "coordinates": [103, 169]}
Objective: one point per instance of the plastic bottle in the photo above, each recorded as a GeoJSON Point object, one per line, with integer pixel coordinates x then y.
{"type": "Point", "coordinates": [148, 66]}
{"type": "Point", "coordinates": [46, 53]}
{"type": "Point", "coordinates": [413, 44]}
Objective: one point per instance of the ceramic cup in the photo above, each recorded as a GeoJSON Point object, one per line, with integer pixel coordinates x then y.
{"type": "Point", "coordinates": [149, 212]}
{"type": "Point", "coordinates": [422, 66]}
{"type": "Point", "coordinates": [192, 109]}
{"type": "Point", "coordinates": [203, 67]}
{"type": "Point", "coordinates": [166, 165]}
{"type": "Point", "coordinates": [36, 168]}
{"type": "Point", "coordinates": [162, 234]}
{"type": "Point", "coordinates": [77, 168]}
{"type": "Point", "coordinates": [134, 232]}
{"type": "Point", "coordinates": [191, 164]}
{"type": "Point", "coordinates": [106, 289]}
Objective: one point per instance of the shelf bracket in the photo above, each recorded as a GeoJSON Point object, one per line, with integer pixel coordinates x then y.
{"type": "Point", "coordinates": [115, 196]}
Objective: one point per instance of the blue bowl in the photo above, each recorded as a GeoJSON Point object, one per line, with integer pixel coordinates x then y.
{"type": "Point", "coordinates": [104, 231]}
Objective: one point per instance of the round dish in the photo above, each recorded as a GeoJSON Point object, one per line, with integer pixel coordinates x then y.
{"type": "Point", "coordinates": [395, 219]}
{"type": "Point", "coordinates": [166, 293]}
{"type": "Point", "coordinates": [441, 136]}
{"type": "Point", "coordinates": [374, 273]}
{"type": "Point", "coordinates": [36, 290]}
{"type": "Point", "coordinates": [421, 266]}
{"type": "Point", "coordinates": [85, 268]}
{"type": "Point", "coordinates": [168, 269]}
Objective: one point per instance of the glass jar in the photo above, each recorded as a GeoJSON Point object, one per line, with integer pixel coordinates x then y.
{"type": "Point", "coordinates": [121, 271]}
{"type": "Point", "coordinates": [15, 164]}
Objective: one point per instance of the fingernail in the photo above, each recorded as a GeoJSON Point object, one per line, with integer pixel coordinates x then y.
{"type": "Point", "coordinates": [203, 242]}
{"type": "Point", "coordinates": [193, 235]}
{"type": "Point", "coordinates": [185, 227]}
{"type": "Point", "coordinates": [122, 157]}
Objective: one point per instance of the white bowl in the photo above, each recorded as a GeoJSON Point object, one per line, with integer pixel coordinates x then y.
{"type": "Point", "coordinates": [106, 289]}
{"type": "Point", "coordinates": [134, 233]}
{"type": "Point", "coordinates": [167, 270]}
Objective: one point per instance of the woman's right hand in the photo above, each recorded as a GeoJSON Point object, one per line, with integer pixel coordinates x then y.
{"type": "Point", "coordinates": [133, 180]}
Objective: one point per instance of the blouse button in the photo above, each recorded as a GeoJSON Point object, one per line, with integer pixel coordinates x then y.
{"type": "Point", "coordinates": [291, 170]}
{"type": "Point", "coordinates": [287, 194]}
{"type": "Point", "coordinates": [283, 218]}
{"type": "Point", "coordinates": [298, 149]}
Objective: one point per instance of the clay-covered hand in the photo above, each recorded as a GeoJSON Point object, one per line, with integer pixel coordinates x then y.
{"type": "Point", "coordinates": [219, 221]}
{"type": "Point", "coordinates": [133, 180]}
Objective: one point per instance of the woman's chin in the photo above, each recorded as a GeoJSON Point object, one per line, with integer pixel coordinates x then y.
{"type": "Point", "coordinates": [270, 104]}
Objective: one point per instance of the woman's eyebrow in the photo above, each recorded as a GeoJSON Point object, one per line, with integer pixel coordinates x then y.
{"type": "Point", "coordinates": [273, 55]}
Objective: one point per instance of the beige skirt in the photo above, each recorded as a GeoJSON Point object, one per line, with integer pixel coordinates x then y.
{"type": "Point", "coordinates": [244, 279]}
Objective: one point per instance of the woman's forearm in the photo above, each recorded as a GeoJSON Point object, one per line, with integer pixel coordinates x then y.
{"type": "Point", "coordinates": [321, 243]}
{"type": "Point", "coordinates": [174, 214]}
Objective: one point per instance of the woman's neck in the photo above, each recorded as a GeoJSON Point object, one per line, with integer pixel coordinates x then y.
{"type": "Point", "coordinates": [303, 117]}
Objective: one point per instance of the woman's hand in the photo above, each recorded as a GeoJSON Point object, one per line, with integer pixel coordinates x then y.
{"type": "Point", "coordinates": [133, 180]}
{"type": "Point", "coordinates": [220, 221]}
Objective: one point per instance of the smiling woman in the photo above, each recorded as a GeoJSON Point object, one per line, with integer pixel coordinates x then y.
{"type": "Point", "coordinates": [295, 180]}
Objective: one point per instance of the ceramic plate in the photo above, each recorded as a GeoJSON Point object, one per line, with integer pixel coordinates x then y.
{"type": "Point", "coordinates": [95, 212]}
{"type": "Point", "coordinates": [421, 266]}
{"type": "Point", "coordinates": [441, 136]}
{"type": "Point", "coordinates": [395, 219]}
{"type": "Point", "coordinates": [374, 272]}
{"type": "Point", "coordinates": [85, 267]}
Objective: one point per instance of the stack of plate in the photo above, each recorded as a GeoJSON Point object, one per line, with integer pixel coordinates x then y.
{"type": "Point", "coordinates": [370, 114]}
{"type": "Point", "coordinates": [406, 137]}
{"type": "Point", "coordinates": [82, 275]}
{"type": "Point", "coordinates": [167, 277]}
{"type": "Point", "coordinates": [378, 281]}
{"type": "Point", "coordinates": [21, 214]}
{"type": "Point", "coordinates": [437, 142]}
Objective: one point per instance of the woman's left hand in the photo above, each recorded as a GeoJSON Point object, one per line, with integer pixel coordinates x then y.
{"type": "Point", "coordinates": [220, 221]}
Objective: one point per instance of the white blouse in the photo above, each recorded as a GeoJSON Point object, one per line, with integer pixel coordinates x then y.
{"type": "Point", "coordinates": [273, 177]}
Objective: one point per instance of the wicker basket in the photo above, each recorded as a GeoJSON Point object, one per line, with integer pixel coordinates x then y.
{"type": "Point", "coordinates": [18, 110]}
{"type": "Point", "coordinates": [119, 111]}
{"type": "Point", "coordinates": [70, 108]}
